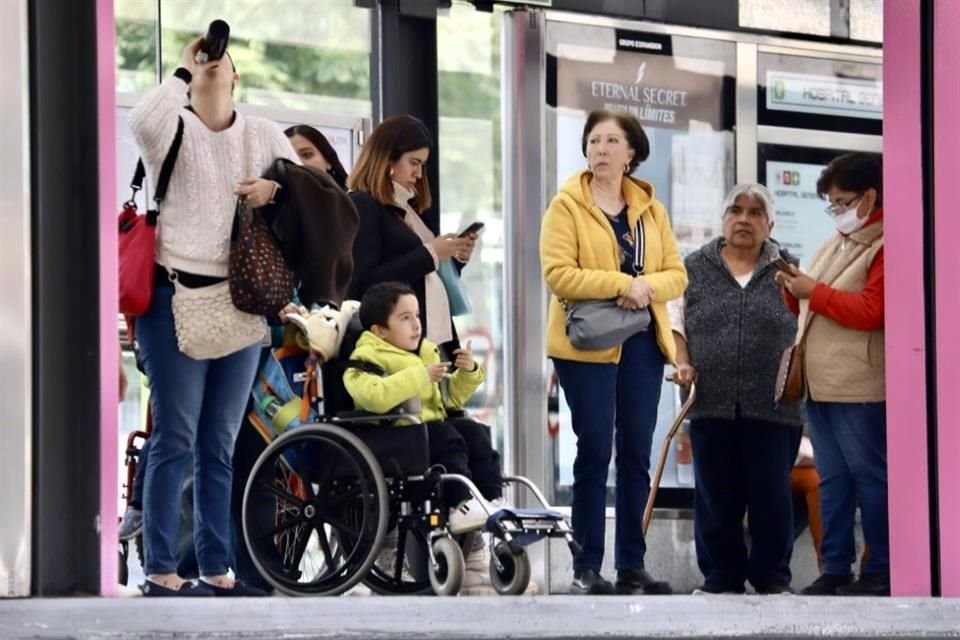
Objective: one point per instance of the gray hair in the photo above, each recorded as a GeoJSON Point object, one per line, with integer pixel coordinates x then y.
{"type": "Point", "coordinates": [758, 191]}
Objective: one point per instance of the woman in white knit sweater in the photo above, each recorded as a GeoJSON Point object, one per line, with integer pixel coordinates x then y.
{"type": "Point", "coordinates": [198, 405]}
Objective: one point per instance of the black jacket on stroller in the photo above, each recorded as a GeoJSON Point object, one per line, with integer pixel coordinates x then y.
{"type": "Point", "coordinates": [315, 224]}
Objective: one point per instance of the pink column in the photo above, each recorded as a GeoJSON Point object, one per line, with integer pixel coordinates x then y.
{"type": "Point", "coordinates": [946, 52]}
{"type": "Point", "coordinates": [905, 304]}
{"type": "Point", "coordinates": [109, 346]}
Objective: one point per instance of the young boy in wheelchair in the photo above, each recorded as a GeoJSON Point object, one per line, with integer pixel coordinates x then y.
{"type": "Point", "coordinates": [391, 365]}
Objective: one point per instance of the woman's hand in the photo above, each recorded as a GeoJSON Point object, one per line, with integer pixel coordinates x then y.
{"type": "Point", "coordinates": [437, 371]}
{"type": "Point", "coordinates": [292, 309]}
{"type": "Point", "coordinates": [685, 375]}
{"type": "Point", "coordinates": [799, 284]}
{"type": "Point", "coordinates": [639, 297]}
{"type": "Point", "coordinates": [188, 59]}
{"type": "Point", "coordinates": [257, 192]}
{"type": "Point", "coordinates": [464, 359]}
{"type": "Point", "coordinates": [464, 255]}
{"type": "Point", "coordinates": [448, 245]}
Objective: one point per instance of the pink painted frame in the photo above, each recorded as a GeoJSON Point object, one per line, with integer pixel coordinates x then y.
{"type": "Point", "coordinates": [946, 78]}
{"type": "Point", "coordinates": [905, 306]}
{"type": "Point", "coordinates": [109, 345]}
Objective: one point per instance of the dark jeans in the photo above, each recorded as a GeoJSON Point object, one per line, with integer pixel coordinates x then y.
{"type": "Point", "coordinates": [464, 446]}
{"type": "Point", "coordinates": [197, 407]}
{"type": "Point", "coordinates": [743, 466]}
{"type": "Point", "coordinates": [613, 402]}
{"type": "Point", "coordinates": [850, 451]}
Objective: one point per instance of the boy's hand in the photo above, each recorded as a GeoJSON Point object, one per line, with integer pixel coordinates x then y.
{"type": "Point", "coordinates": [437, 371]}
{"type": "Point", "coordinates": [464, 359]}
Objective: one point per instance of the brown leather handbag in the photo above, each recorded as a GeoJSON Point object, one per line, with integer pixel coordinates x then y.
{"type": "Point", "coordinates": [261, 282]}
{"type": "Point", "coordinates": [790, 378]}
{"type": "Point", "coordinates": [791, 381]}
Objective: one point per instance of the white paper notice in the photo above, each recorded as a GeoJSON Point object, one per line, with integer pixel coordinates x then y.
{"type": "Point", "coordinates": [802, 224]}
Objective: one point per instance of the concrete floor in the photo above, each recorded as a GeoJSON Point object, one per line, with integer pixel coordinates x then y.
{"type": "Point", "coordinates": [482, 618]}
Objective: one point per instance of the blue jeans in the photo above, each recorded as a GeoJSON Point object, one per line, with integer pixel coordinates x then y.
{"type": "Point", "coordinates": [607, 402]}
{"type": "Point", "coordinates": [743, 466]}
{"type": "Point", "coordinates": [850, 451]}
{"type": "Point", "coordinates": [198, 406]}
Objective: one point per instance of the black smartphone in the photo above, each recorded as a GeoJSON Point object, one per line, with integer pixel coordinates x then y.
{"type": "Point", "coordinates": [474, 227]}
{"type": "Point", "coordinates": [781, 264]}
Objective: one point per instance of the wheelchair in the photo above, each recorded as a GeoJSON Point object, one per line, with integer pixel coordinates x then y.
{"type": "Point", "coordinates": [322, 497]}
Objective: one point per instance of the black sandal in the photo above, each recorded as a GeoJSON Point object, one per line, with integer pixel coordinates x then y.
{"type": "Point", "coordinates": [188, 589]}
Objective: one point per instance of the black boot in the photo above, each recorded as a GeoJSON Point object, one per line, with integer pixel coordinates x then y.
{"type": "Point", "coordinates": [638, 581]}
{"type": "Point", "coordinates": [590, 582]}
{"type": "Point", "coordinates": [827, 585]}
{"type": "Point", "coordinates": [869, 584]}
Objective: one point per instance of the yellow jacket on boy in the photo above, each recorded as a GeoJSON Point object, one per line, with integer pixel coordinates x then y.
{"type": "Point", "coordinates": [406, 377]}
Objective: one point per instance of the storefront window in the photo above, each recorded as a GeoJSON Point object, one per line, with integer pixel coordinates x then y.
{"type": "Point", "coordinates": [866, 20]}
{"type": "Point", "coordinates": [819, 93]}
{"type": "Point", "coordinates": [470, 184]}
{"type": "Point", "coordinates": [796, 16]}
{"type": "Point", "coordinates": [136, 23]}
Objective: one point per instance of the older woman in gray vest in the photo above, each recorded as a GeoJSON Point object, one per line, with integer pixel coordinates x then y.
{"type": "Point", "coordinates": [731, 327]}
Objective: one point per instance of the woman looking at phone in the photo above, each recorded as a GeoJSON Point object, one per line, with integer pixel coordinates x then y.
{"type": "Point", "coordinates": [391, 192]}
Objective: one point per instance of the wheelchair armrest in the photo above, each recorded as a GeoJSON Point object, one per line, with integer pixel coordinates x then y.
{"type": "Point", "coordinates": [349, 417]}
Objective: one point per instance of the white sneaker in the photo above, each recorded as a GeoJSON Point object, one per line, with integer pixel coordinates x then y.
{"type": "Point", "coordinates": [476, 579]}
{"type": "Point", "coordinates": [467, 516]}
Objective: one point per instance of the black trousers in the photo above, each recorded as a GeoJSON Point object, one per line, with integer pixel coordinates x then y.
{"type": "Point", "coordinates": [465, 446]}
{"type": "Point", "coordinates": [743, 466]}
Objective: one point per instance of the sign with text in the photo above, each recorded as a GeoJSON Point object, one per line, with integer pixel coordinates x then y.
{"type": "Point", "coordinates": [824, 95]}
{"type": "Point", "coordinates": [801, 222]}
{"type": "Point", "coordinates": [649, 85]}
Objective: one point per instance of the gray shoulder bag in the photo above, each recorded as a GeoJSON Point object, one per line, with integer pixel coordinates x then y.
{"type": "Point", "coordinates": [593, 325]}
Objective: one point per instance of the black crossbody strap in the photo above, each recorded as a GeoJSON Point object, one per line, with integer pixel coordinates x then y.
{"type": "Point", "coordinates": [166, 170]}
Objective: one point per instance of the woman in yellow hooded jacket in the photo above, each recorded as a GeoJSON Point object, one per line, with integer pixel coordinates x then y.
{"type": "Point", "coordinates": [587, 247]}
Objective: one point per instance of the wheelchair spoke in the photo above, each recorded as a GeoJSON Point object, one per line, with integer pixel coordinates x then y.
{"type": "Point", "coordinates": [343, 497]}
{"type": "Point", "coordinates": [280, 493]}
{"type": "Point", "coordinates": [342, 527]}
{"type": "Point", "coordinates": [401, 554]}
{"type": "Point", "coordinates": [325, 545]}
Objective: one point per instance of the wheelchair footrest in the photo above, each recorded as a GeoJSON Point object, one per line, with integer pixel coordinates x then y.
{"type": "Point", "coordinates": [526, 526]}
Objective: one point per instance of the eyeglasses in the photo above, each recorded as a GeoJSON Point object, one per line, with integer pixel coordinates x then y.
{"type": "Point", "coordinates": [836, 209]}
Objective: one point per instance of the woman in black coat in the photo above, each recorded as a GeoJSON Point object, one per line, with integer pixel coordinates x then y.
{"type": "Point", "coordinates": [390, 191]}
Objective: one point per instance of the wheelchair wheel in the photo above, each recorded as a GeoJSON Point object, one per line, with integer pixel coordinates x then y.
{"type": "Point", "coordinates": [514, 577]}
{"type": "Point", "coordinates": [315, 511]}
{"type": "Point", "coordinates": [401, 566]}
{"type": "Point", "coordinates": [447, 577]}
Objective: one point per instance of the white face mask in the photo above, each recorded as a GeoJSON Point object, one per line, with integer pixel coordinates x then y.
{"type": "Point", "coordinates": [848, 221]}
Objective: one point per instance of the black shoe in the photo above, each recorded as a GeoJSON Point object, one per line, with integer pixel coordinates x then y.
{"type": "Point", "coordinates": [240, 589]}
{"type": "Point", "coordinates": [869, 584]}
{"type": "Point", "coordinates": [827, 585]}
{"type": "Point", "coordinates": [637, 581]}
{"type": "Point", "coordinates": [187, 590]}
{"type": "Point", "coordinates": [717, 589]}
{"type": "Point", "coordinates": [774, 589]}
{"type": "Point", "coordinates": [590, 582]}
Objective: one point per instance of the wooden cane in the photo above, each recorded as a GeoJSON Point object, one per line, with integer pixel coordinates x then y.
{"type": "Point", "coordinates": [664, 451]}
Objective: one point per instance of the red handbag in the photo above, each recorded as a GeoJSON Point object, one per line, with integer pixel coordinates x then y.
{"type": "Point", "coordinates": [138, 236]}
